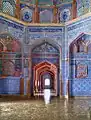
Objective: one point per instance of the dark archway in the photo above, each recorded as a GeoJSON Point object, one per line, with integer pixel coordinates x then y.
{"type": "Point", "coordinates": [39, 71]}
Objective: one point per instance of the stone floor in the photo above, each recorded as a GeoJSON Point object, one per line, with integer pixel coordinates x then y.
{"type": "Point", "coordinates": [35, 109]}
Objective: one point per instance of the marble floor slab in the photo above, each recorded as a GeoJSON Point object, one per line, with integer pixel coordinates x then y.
{"type": "Point", "coordinates": [58, 109]}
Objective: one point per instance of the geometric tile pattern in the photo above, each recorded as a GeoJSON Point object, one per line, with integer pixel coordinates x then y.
{"type": "Point", "coordinates": [77, 86]}
{"type": "Point", "coordinates": [80, 76]}
{"type": "Point", "coordinates": [80, 87]}
{"type": "Point", "coordinates": [10, 85]}
{"type": "Point", "coordinates": [45, 47]}
{"type": "Point", "coordinates": [8, 8]}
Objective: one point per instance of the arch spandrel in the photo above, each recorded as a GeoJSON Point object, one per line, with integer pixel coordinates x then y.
{"type": "Point", "coordinates": [45, 47]}
{"type": "Point", "coordinates": [38, 42]}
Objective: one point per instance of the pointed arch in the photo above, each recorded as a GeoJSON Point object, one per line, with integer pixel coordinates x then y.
{"type": "Point", "coordinates": [38, 42]}
{"type": "Point", "coordinates": [46, 54]}
{"type": "Point", "coordinates": [78, 45]}
{"type": "Point", "coordinates": [41, 68]}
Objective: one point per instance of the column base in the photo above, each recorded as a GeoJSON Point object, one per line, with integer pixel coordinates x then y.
{"type": "Point", "coordinates": [64, 97]}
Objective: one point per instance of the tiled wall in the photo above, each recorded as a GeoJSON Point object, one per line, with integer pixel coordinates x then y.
{"type": "Point", "coordinates": [83, 7]}
{"type": "Point", "coordinates": [59, 36]}
{"type": "Point", "coordinates": [79, 31]}
{"type": "Point", "coordinates": [10, 85]}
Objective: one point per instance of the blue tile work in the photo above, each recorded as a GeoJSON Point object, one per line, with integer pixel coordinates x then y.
{"type": "Point", "coordinates": [77, 28]}
{"type": "Point", "coordinates": [50, 34]}
{"type": "Point", "coordinates": [46, 13]}
{"type": "Point", "coordinates": [28, 37]}
{"type": "Point", "coordinates": [8, 7]}
{"type": "Point", "coordinates": [59, 37]}
{"type": "Point", "coordinates": [75, 31]}
{"type": "Point", "coordinates": [80, 69]}
{"type": "Point", "coordinates": [10, 85]}
{"type": "Point", "coordinates": [81, 87]}
{"type": "Point", "coordinates": [26, 12]}
{"type": "Point", "coordinates": [83, 7]}
{"type": "Point", "coordinates": [46, 52]}
{"type": "Point", "coordinates": [65, 12]}
{"type": "Point", "coordinates": [17, 31]}
{"type": "Point", "coordinates": [11, 24]}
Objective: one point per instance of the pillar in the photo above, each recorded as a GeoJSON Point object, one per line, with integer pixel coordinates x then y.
{"type": "Point", "coordinates": [28, 83]}
{"type": "Point", "coordinates": [61, 88]}
{"type": "Point", "coordinates": [65, 64]}
{"type": "Point", "coordinates": [74, 9]}
{"type": "Point", "coordinates": [36, 13]}
{"type": "Point", "coordinates": [28, 87]}
{"type": "Point", "coordinates": [68, 88]}
{"type": "Point", "coordinates": [17, 11]}
{"type": "Point", "coordinates": [55, 14]}
{"type": "Point", "coordinates": [22, 86]}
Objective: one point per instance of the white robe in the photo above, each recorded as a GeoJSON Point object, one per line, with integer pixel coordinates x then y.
{"type": "Point", "coordinates": [47, 96]}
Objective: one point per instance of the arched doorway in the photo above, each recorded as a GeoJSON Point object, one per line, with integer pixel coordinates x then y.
{"type": "Point", "coordinates": [49, 75]}
{"type": "Point", "coordinates": [45, 61]}
{"type": "Point", "coordinates": [40, 71]}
